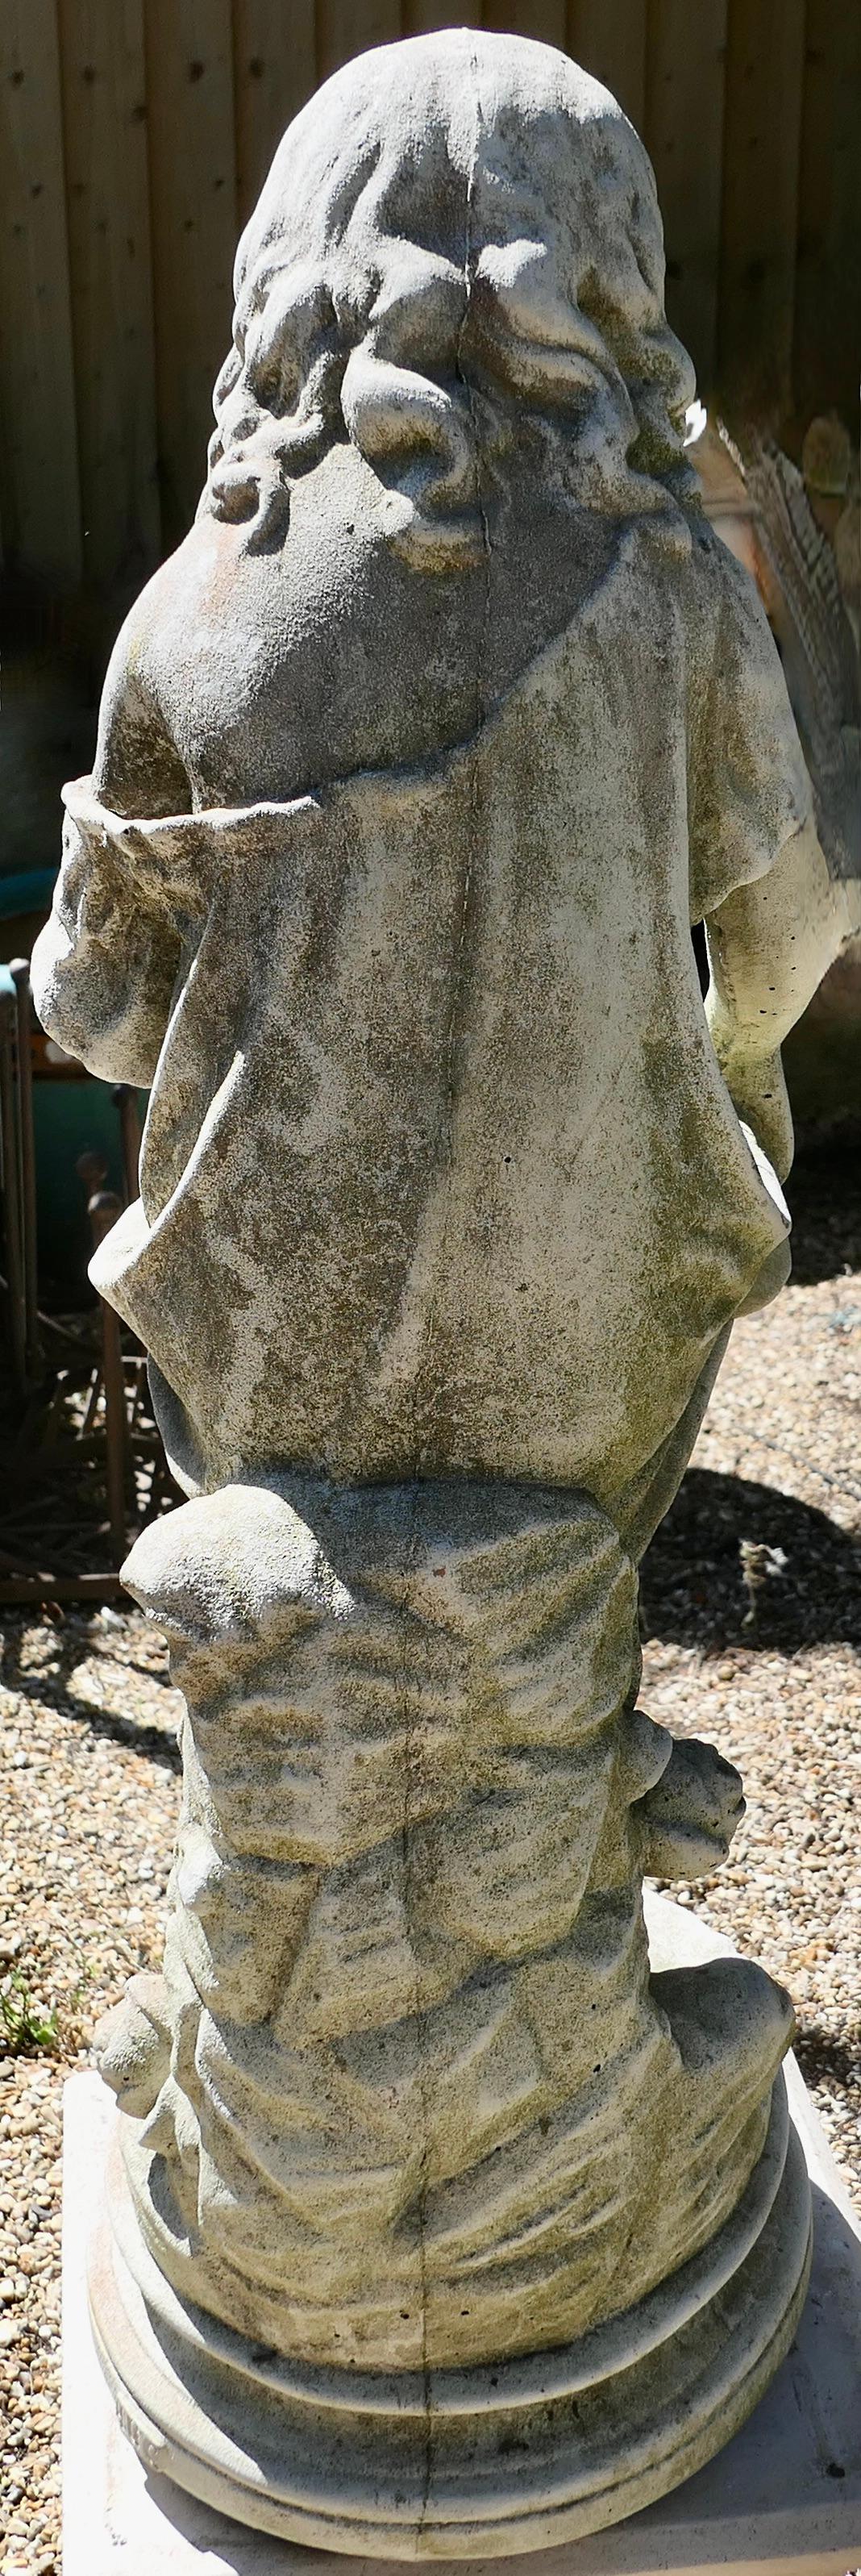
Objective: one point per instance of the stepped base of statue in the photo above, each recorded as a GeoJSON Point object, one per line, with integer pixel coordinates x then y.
{"type": "Point", "coordinates": [784, 2492]}
{"type": "Point", "coordinates": [438, 2224]}
{"type": "Point", "coordinates": [471, 2463]}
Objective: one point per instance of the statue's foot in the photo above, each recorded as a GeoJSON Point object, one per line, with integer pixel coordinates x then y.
{"type": "Point", "coordinates": [731, 2022]}
{"type": "Point", "coordinates": [132, 2045]}
{"type": "Point", "coordinates": [732, 2027]}
{"type": "Point", "coordinates": [691, 1814]}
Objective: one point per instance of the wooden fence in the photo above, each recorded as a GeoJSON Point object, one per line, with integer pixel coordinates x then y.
{"type": "Point", "coordinates": [133, 138]}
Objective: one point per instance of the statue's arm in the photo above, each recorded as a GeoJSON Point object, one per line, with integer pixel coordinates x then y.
{"type": "Point", "coordinates": [105, 966]}
{"type": "Point", "coordinates": [769, 945]}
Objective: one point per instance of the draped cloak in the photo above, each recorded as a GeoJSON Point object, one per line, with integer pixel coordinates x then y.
{"type": "Point", "coordinates": [439, 1172]}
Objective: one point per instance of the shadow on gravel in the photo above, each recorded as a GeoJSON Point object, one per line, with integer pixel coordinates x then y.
{"type": "Point", "coordinates": [738, 1564]}
{"type": "Point", "coordinates": [820, 2053]}
{"type": "Point", "coordinates": [150, 1740]}
{"type": "Point", "coordinates": [824, 1197]}
{"type": "Point", "coordinates": [56, 1689]}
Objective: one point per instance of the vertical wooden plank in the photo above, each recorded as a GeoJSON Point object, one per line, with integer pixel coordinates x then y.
{"type": "Point", "coordinates": [104, 126]}
{"type": "Point", "coordinates": [685, 71]}
{"type": "Point", "coordinates": [828, 284]}
{"type": "Point", "coordinates": [609, 38]}
{"type": "Point", "coordinates": [545, 20]}
{"type": "Point", "coordinates": [762, 131]}
{"type": "Point", "coordinates": [420, 17]}
{"type": "Point", "coordinates": [189, 74]}
{"type": "Point", "coordinates": [348, 27]}
{"type": "Point", "coordinates": [39, 492]}
{"type": "Point", "coordinates": [274, 71]}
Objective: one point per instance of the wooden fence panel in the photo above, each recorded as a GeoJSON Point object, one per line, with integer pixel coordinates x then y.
{"type": "Point", "coordinates": [110, 260]}
{"type": "Point", "coordinates": [420, 17]}
{"type": "Point", "coordinates": [684, 136]}
{"type": "Point", "coordinates": [827, 347]}
{"type": "Point", "coordinates": [134, 137]}
{"type": "Point", "coordinates": [274, 72]}
{"type": "Point", "coordinates": [347, 27]}
{"type": "Point", "coordinates": [39, 490]}
{"type": "Point", "coordinates": [545, 20]}
{"type": "Point", "coordinates": [192, 162]}
{"type": "Point", "coordinates": [762, 135]}
{"type": "Point", "coordinates": [609, 38]}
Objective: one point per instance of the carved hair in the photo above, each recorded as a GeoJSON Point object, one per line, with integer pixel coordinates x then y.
{"type": "Point", "coordinates": [457, 253]}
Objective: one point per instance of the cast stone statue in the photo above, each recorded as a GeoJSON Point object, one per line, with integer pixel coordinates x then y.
{"type": "Point", "coordinates": [439, 2225]}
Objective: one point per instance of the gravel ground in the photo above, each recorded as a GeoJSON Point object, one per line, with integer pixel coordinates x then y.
{"type": "Point", "coordinates": [752, 1636]}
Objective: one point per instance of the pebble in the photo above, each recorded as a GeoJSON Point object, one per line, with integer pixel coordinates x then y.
{"type": "Point", "coordinates": [88, 1802]}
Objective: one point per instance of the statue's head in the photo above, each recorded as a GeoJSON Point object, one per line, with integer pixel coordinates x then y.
{"type": "Point", "coordinates": [456, 262]}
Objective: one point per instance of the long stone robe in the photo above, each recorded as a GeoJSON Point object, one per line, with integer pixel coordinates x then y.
{"type": "Point", "coordinates": [440, 1173]}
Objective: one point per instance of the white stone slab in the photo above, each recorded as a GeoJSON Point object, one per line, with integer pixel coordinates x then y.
{"type": "Point", "coordinates": [783, 2498]}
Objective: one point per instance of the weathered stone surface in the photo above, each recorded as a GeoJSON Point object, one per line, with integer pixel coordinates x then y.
{"type": "Point", "coordinates": [784, 2493]}
{"type": "Point", "coordinates": [411, 2076]}
{"type": "Point", "coordinates": [415, 765]}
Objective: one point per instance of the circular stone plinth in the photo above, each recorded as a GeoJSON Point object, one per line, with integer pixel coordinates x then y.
{"type": "Point", "coordinates": [472, 2463]}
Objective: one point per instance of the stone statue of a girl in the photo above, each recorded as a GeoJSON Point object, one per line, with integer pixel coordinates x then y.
{"type": "Point", "coordinates": [415, 765]}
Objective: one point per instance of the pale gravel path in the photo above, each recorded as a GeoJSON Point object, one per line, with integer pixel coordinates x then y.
{"type": "Point", "coordinates": [88, 1789]}
{"type": "Point", "coordinates": [88, 1795]}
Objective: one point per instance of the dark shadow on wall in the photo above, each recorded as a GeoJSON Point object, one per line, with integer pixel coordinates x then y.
{"type": "Point", "coordinates": [736, 1563]}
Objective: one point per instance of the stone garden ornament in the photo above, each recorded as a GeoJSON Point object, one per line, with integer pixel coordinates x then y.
{"type": "Point", "coordinates": [438, 2225]}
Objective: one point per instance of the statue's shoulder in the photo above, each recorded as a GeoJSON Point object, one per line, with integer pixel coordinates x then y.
{"type": "Point", "coordinates": [175, 652]}
{"type": "Point", "coordinates": [139, 766]}
{"type": "Point", "coordinates": [726, 604]}
{"type": "Point", "coordinates": [186, 602]}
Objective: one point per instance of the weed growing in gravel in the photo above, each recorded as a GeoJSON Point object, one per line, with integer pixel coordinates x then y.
{"type": "Point", "coordinates": [26, 2029]}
